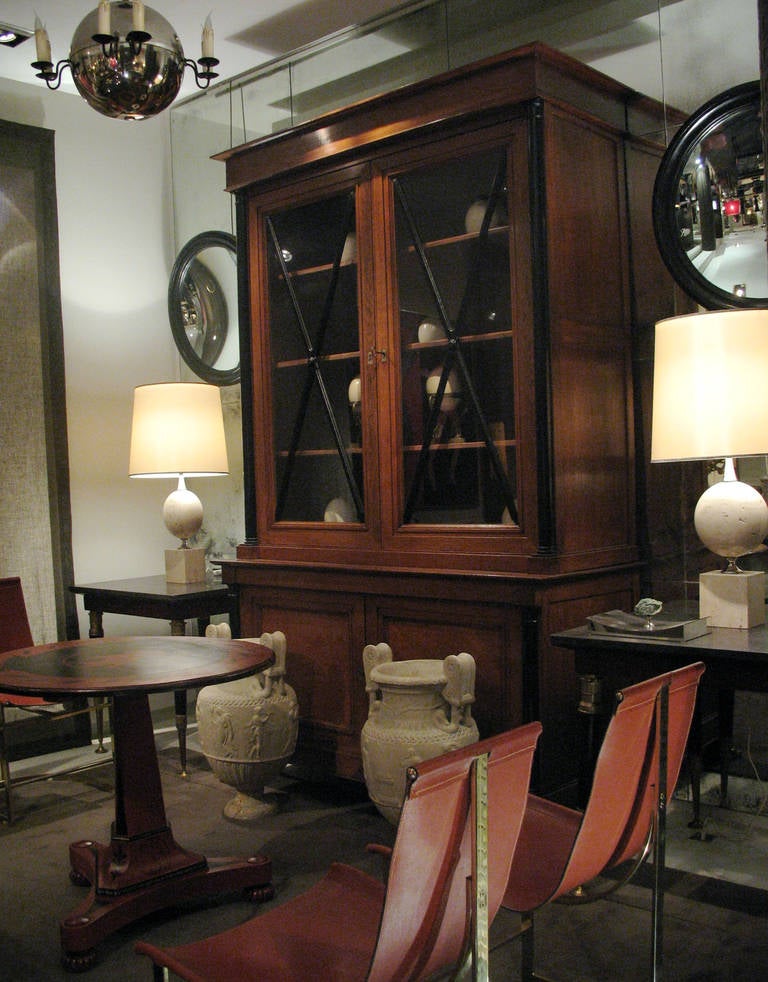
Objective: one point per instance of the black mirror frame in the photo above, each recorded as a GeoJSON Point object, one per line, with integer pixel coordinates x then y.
{"type": "Point", "coordinates": [734, 102]}
{"type": "Point", "coordinates": [184, 261]}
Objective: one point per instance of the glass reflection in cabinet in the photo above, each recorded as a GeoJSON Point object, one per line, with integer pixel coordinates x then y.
{"type": "Point", "coordinates": [459, 440]}
{"type": "Point", "coordinates": [315, 359]}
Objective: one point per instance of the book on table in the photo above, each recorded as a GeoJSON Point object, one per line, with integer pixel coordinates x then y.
{"type": "Point", "coordinates": [618, 622]}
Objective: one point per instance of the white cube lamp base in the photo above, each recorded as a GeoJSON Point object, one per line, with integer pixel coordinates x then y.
{"type": "Point", "coordinates": [732, 599]}
{"type": "Point", "coordinates": [184, 565]}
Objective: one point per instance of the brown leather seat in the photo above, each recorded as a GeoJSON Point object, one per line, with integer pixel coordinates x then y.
{"type": "Point", "coordinates": [561, 849]}
{"type": "Point", "coordinates": [15, 633]}
{"type": "Point", "coordinates": [350, 925]}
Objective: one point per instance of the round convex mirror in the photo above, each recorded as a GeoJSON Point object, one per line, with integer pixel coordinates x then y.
{"type": "Point", "coordinates": [709, 203]}
{"type": "Point", "coordinates": [202, 307]}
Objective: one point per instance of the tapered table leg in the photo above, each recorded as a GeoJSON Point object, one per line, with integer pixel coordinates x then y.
{"type": "Point", "coordinates": [180, 712]}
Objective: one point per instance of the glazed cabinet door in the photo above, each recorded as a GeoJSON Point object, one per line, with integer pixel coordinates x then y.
{"type": "Point", "coordinates": [456, 247]}
{"type": "Point", "coordinates": [313, 450]}
{"type": "Point", "coordinates": [392, 353]}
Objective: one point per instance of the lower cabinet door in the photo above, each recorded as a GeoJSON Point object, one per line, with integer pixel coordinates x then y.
{"type": "Point", "coordinates": [436, 628]}
{"type": "Point", "coordinates": [324, 632]}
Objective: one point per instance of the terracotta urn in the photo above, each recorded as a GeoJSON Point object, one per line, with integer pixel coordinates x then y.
{"type": "Point", "coordinates": [248, 731]}
{"type": "Point", "coordinates": [417, 710]}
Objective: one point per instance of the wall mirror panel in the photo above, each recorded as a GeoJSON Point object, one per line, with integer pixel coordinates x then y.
{"type": "Point", "coordinates": [202, 307]}
{"type": "Point", "coordinates": [709, 203]}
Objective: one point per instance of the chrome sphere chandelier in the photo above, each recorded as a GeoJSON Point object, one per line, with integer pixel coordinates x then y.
{"type": "Point", "coordinates": [126, 60]}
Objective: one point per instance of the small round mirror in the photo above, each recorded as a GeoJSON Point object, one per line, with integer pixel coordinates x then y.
{"type": "Point", "coordinates": [202, 307]}
{"type": "Point", "coordinates": [709, 203]}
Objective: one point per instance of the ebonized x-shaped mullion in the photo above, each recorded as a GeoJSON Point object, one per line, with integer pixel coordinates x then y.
{"type": "Point", "coordinates": [454, 354]}
{"type": "Point", "coordinates": [314, 351]}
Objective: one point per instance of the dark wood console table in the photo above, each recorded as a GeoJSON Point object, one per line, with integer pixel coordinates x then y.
{"type": "Point", "coordinates": [734, 659]}
{"type": "Point", "coordinates": [142, 869]}
{"type": "Point", "coordinates": [152, 596]}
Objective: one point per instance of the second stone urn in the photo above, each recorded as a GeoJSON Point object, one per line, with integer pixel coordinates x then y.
{"type": "Point", "coordinates": [248, 730]}
{"type": "Point", "coordinates": [417, 710]}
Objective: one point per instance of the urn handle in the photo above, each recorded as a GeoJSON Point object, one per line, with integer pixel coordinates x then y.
{"type": "Point", "coordinates": [459, 689]}
{"type": "Point", "coordinates": [274, 676]}
{"type": "Point", "coordinates": [373, 655]}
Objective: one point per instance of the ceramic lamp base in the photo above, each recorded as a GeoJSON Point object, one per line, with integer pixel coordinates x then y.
{"type": "Point", "coordinates": [184, 565]}
{"type": "Point", "coordinates": [732, 599]}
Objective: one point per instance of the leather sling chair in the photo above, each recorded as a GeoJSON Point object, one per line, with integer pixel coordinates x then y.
{"type": "Point", "coordinates": [351, 926]}
{"type": "Point", "coordinates": [15, 633]}
{"type": "Point", "coordinates": [561, 849]}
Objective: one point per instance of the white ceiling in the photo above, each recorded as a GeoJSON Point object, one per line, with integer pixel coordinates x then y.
{"type": "Point", "coordinates": [246, 34]}
{"type": "Point", "coordinates": [619, 37]}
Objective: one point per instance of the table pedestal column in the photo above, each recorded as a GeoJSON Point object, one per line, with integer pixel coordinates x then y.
{"type": "Point", "coordinates": [142, 869]}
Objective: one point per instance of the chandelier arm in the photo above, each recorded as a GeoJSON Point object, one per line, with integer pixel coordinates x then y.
{"type": "Point", "coordinates": [51, 75]}
{"type": "Point", "coordinates": [110, 43]}
{"type": "Point", "coordinates": [205, 73]}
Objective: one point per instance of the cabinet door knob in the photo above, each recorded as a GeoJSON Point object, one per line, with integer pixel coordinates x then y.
{"type": "Point", "coordinates": [373, 353]}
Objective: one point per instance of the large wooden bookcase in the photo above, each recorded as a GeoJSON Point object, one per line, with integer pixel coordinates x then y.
{"type": "Point", "coordinates": [467, 256]}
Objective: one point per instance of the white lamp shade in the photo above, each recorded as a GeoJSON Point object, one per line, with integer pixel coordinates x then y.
{"type": "Point", "coordinates": [710, 386]}
{"type": "Point", "coordinates": [178, 428]}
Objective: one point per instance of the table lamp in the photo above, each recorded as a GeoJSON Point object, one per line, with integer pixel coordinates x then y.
{"type": "Point", "coordinates": [710, 401]}
{"type": "Point", "coordinates": [178, 432]}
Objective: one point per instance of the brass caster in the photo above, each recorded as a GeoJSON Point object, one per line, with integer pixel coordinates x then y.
{"type": "Point", "coordinates": [79, 961]}
{"type": "Point", "coordinates": [260, 895]}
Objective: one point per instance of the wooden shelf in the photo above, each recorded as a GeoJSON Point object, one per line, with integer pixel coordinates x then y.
{"type": "Point", "coordinates": [302, 362]}
{"type": "Point", "coordinates": [321, 268]}
{"type": "Point", "coordinates": [463, 238]}
{"type": "Point", "coordinates": [320, 452]}
{"type": "Point", "coordinates": [463, 338]}
{"type": "Point", "coordinates": [459, 445]}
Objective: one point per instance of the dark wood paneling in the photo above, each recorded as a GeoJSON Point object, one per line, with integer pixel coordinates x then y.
{"type": "Point", "coordinates": [324, 666]}
{"type": "Point", "coordinates": [590, 337]}
{"type": "Point", "coordinates": [492, 635]}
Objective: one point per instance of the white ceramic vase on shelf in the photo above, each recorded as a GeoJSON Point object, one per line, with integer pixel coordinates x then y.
{"type": "Point", "coordinates": [417, 710]}
{"type": "Point", "coordinates": [248, 731]}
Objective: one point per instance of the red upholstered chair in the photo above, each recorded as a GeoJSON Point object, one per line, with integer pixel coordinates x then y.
{"type": "Point", "coordinates": [560, 850]}
{"type": "Point", "coordinates": [350, 926]}
{"type": "Point", "coordinates": [15, 633]}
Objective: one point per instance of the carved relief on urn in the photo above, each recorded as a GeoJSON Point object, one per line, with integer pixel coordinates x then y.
{"type": "Point", "coordinates": [248, 731]}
